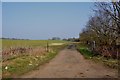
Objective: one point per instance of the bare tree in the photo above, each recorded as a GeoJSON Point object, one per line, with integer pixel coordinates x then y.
{"type": "Point", "coordinates": [104, 27]}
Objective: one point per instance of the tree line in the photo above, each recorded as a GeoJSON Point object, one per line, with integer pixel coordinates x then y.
{"type": "Point", "coordinates": [12, 38]}
{"type": "Point", "coordinates": [102, 31]}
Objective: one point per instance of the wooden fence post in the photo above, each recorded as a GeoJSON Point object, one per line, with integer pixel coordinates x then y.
{"type": "Point", "coordinates": [47, 47]}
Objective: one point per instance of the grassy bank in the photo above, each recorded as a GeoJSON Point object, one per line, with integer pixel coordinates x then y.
{"type": "Point", "coordinates": [15, 48]}
{"type": "Point", "coordinates": [23, 64]}
{"type": "Point", "coordinates": [19, 65]}
{"type": "Point", "coordinates": [83, 49]}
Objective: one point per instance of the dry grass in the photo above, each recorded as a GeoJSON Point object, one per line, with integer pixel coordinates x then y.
{"type": "Point", "coordinates": [28, 60]}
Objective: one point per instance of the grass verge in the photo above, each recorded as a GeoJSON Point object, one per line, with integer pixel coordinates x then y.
{"type": "Point", "coordinates": [20, 65]}
{"type": "Point", "coordinates": [112, 63]}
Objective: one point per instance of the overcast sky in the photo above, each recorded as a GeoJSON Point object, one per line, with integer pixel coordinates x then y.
{"type": "Point", "coordinates": [44, 20]}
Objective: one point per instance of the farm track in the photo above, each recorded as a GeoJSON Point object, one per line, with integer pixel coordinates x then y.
{"type": "Point", "coordinates": [69, 63]}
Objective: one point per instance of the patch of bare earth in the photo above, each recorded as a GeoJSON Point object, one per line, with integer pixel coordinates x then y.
{"type": "Point", "coordinates": [69, 63]}
{"type": "Point", "coordinates": [53, 44]}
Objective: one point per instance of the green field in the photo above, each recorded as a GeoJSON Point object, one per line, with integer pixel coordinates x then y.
{"type": "Point", "coordinates": [28, 43]}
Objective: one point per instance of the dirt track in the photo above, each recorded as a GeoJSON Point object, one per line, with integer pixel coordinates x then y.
{"type": "Point", "coordinates": [69, 63]}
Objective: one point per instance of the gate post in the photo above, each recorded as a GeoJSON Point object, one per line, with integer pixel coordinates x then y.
{"type": "Point", "coordinates": [47, 47]}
